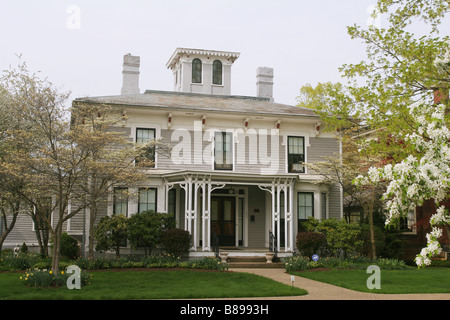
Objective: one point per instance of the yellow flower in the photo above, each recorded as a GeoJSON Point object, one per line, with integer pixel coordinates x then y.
{"type": "Point", "coordinates": [50, 272]}
{"type": "Point", "coordinates": [62, 272]}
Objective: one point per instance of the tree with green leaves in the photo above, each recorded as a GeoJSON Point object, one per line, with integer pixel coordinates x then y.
{"type": "Point", "coordinates": [407, 65]}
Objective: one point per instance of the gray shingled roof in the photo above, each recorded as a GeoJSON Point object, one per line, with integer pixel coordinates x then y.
{"type": "Point", "coordinates": [202, 102]}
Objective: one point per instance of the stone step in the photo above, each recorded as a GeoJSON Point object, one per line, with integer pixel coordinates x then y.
{"type": "Point", "coordinates": [251, 260]}
{"type": "Point", "coordinates": [255, 265]}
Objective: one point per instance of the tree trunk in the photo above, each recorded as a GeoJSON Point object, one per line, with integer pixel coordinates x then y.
{"type": "Point", "coordinates": [10, 227]}
{"type": "Point", "coordinates": [56, 248]}
{"type": "Point", "coordinates": [368, 207]}
{"type": "Point", "coordinates": [92, 217]}
{"type": "Point", "coordinates": [372, 235]}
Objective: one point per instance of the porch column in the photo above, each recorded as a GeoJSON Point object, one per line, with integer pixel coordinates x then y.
{"type": "Point", "coordinates": [286, 186]}
{"type": "Point", "coordinates": [206, 215]}
{"type": "Point", "coordinates": [190, 216]}
{"type": "Point", "coordinates": [167, 188]}
{"type": "Point", "coordinates": [289, 218]}
{"type": "Point", "coordinates": [276, 214]}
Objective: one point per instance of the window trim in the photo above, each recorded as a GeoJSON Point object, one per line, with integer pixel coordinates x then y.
{"type": "Point", "coordinates": [232, 164]}
{"type": "Point", "coordinates": [288, 154]}
{"type": "Point", "coordinates": [201, 71]}
{"type": "Point", "coordinates": [214, 72]}
{"type": "Point", "coordinates": [155, 131]}
{"type": "Point", "coordinates": [147, 203]}
{"type": "Point", "coordinates": [298, 205]}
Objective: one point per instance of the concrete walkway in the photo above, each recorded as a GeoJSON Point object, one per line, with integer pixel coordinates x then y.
{"type": "Point", "coordinates": [322, 291]}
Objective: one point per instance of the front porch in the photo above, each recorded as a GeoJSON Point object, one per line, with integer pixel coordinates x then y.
{"type": "Point", "coordinates": [244, 215]}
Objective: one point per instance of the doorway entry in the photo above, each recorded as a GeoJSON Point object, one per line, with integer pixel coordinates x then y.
{"type": "Point", "coordinates": [223, 219]}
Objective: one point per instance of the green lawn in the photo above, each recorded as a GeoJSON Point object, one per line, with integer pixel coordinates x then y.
{"type": "Point", "coordinates": [176, 284]}
{"type": "Point", "coordinates": [429, 280]}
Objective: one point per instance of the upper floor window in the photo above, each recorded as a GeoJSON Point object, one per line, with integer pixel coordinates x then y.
{"type": "Point", "coordinates": [144, 136]}
{"type": "Point", "coordinates": [296, 154]}
{"type": "Point", "coordinates": [223, 151]}
{"type": "Point", "coordinates": [217, 72]}
{"type": "Point", "coordinates": [196, 71]}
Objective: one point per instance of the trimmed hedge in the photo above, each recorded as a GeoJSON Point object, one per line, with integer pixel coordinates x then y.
{"type": "Point", "coordinates": [310, 242]}
{"type": "Point", "coordinates": [176, 242]}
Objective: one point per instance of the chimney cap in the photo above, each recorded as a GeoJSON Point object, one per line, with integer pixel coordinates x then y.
{"type": "Point", "coordinates": [131, 60]}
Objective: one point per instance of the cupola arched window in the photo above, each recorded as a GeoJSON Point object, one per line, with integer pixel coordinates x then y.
{"type": "Point", "coordinates": [196, 71]}
{"type": "Point", "coordinates": [217, 72]}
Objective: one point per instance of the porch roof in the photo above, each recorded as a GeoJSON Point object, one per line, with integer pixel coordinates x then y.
{"type": "Point", "coordinates": [238, 177]}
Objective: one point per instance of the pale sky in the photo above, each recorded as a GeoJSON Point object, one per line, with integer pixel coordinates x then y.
{"type": "Point", "coordinates": [82, 50]}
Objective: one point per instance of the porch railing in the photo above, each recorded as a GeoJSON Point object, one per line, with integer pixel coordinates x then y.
{"type": "Point", "coordinates": [273, 247]}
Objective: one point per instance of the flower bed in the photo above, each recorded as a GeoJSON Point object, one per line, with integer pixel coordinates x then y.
{"type": "Point", "coordinates": [301, 263]}
{"type": "Point", "coordinates": [46, 278]}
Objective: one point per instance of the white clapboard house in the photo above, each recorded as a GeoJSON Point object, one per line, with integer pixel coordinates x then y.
{"type": "Point", "coordinates": [235, 172]}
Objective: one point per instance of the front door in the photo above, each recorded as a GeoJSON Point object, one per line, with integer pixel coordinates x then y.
{"type": "Point", "coordinates": [223, 214]}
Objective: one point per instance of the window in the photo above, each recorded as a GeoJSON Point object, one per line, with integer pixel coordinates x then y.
{"type": "Point", "coordinates": [406, 224]}
{"type": "Point", "coordinates": [172, 202]}
{"type": "Point", "coordinates": [323, 205]}
{"type": "Point", "coordinates": [147, 199]}
{"type": "Point", "coordinates": [217, 72]}
{"type": "Point", "coordinates": [144, 136]}
{"type": "Point", "coordinates": [196, 71]}
{"type": "Point", "coordinates": [223, 151]}
{"type": "Point", "coordinates": [305, 205]}
{"type": "Point", "coordinates": [296, 154]}
{"type": "Point", "coordinates": [120, 201]}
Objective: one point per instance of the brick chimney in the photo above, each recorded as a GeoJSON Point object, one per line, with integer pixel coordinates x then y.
{"type": "Point", "coordinates": [264, 83]}
{"type": "Point", "coordinates": [130, 73]}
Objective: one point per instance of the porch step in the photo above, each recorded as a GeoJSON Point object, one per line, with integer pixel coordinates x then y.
{"type": "Point", "coordinates": [251, 262]}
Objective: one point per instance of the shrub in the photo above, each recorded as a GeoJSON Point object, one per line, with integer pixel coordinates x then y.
{"type": "Point", "coordinates": [93, 263]}
{"type": "Point", "coordinates": [296, 263]}
{"type": "Point", "coordinates": [342, 238]}
{"type": "Point", "coordinates": [22, 261]}
{"type": "Point", "coordinates": [69, 247]}
{"type": "Point", "coordinates": [111, 233]}
{"type": "Point", "coordinates": [24, 248]}
{"type": "Point", "coordinates": [209, 263]}
{"type": "Point", "coordinates": [161, 261]}
{"type": "Point", "coordinates": [311, 242]}
{"type": "Point", "coordinates": [299, 263]}
{"type": "Point", "coordinates": [145, 229]}
{"type": "Point", "coordinates": [176, 241]}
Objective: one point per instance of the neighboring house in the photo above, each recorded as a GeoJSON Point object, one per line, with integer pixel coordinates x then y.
{"type": "Point", "coordinates": [235, 168]}
{"type": "Point", "coordinates": [414, 226]}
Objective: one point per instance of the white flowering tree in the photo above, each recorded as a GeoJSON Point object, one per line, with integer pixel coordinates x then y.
{"type": "Point", "coordinates": [391, 94]}
{"type": "Point", "coordinates": [420, 177]}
